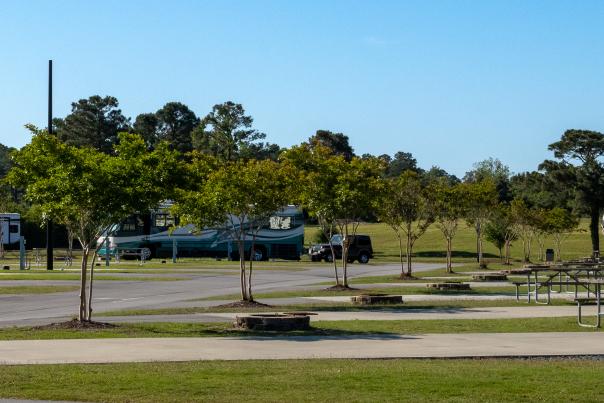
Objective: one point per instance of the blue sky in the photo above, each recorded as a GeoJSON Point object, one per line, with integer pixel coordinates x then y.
{"type": "Point", "coordinates": [452, 82]}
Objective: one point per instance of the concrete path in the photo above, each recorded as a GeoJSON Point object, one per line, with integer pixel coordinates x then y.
{"type": "Point", "coordinates": [255, 348]}
{"type": "Point", "coordinates": [406, 314]}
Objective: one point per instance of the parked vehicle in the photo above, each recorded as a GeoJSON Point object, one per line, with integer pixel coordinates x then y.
{"type": "Point", "coordinates": [156, 233]}
{"type": "Point", "coordinates": [360, 249]}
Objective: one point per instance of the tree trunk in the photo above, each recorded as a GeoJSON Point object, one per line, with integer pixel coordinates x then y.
{"type": "Point", "coordinates": [449, 252]}
{"type": "Point", "coordinates": [334, 261]}
{"type": "Point", "coordinates": [594, 228]}
{"type": "Point", "coordinates": [345, 257]}
{"type": "Point", "coordinates": [249, 276]}
{"type": "Point", "coordinates": [242, 278]}
{"type": "Point", "coordinates": [409, 247]}
{"type": "Point", "coordinates": [82, 314]}
{"type": "Point", "coordinates": [477, 228]}
{"type": "Point", "coordinates": [400, 253]}
{"type": "Point", "coordinates": [507, 251]}
{"type": "Point", "coordinates": [480, 262]}
{"type": "Point", "coordinates": [89, 316]}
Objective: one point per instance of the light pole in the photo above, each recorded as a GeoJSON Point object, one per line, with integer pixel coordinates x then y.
{"type": "Point", "coordinates": [49, 243]}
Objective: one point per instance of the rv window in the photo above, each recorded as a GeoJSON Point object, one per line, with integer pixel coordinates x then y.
{"type": "Point", "coordinates": [13, 229]}
{"type": "Point", "coordinates": [276, 222]}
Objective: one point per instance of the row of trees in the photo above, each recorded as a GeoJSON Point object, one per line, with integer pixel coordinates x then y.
{"type": "Point", "coordinates": [86, 185]}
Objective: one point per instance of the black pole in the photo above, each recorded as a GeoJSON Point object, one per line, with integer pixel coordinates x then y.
{"type": "Point", "coordinates": [49, 245]}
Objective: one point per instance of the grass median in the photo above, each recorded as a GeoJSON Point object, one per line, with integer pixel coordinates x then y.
{"type": "Point", "coordinates": [319, 328]}
{"type": "Point", "coordinates": [37, 289]}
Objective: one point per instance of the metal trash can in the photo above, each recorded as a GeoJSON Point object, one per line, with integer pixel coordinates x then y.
{"type": "Point", "coordinates": [549, 255]}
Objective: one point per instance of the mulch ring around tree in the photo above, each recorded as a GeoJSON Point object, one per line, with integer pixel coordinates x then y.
{"type": "Point", "coordinates": [243, 304]}
{"type": "Point", "coordinates": [76, 324]}
{"type": "Point", "coordinates": [340, 287]}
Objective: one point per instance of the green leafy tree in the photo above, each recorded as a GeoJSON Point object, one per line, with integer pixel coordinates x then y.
{"type": "Point", "coordinates": [493, 170]}
{"type": "Point", "coordinates": [501, 231]}
{"type": "Point", "coordinates": [175, 123]}
{"type": "Point", "coordinates": [560, 223]}
{"type": "Point", "coordinates": [524, 219]}
{"type": "Point", "coordinates": [88, 191]}
{"type": "Point", "coordinates": [356, 188]}
{"type": "Point", "coordinates": [407, 207]}
{"type": "Point", "coordinates": [146, 126]}
{"type": "Point", "coordinates": [242, 194]}
{"type": "Point", "coordinates": [318, 171]}
{"type": "Point", "coordinates": [338, 143]}
{"type": "Point", "coordinates": [449, 209]}
{"type": "Point", "coordinates": [226, 132]}
{"type": "Point", "coordinates": [481, 199]}
{"type": "Point", "coordinates": [586, 147]}
{"type": "Point", "coordinates": [94, 122]}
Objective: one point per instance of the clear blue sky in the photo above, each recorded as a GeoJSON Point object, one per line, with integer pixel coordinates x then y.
{"type": "Point", "coordinates": [453, 82]}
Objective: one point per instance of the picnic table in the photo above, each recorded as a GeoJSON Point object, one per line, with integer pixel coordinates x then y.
{"type": "Point", "coordinates": [578, 275]}
{"type": "Point", "coordinates": [562, 275]}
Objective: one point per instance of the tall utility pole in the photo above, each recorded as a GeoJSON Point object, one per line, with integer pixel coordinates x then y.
{"type": "Point", "coordinates": [49, 245]}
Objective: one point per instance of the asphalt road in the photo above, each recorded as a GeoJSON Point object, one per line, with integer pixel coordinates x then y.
{"type": "Point", "coordinates": [113, 295]}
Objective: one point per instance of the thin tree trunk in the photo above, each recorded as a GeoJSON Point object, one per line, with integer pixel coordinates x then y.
{"type": "Point", "coordinates": [449, 260]}
{"type": "Point", "coordinates": [345, 257]}
{"type": "Point", "coordinates": [400, 253]}
{"type": "Point", "coordinates": [89, 317]}
{"type": "Point", "coordinates": [594, 228]}
{"type": "Point", "coordinates": [409, 246]}
{"type": "Point", "coordinates": [334, 261]}
{"type": "Point", "coordinates": [242, 278]}
{"type": "Point", "coordinates": [82, 311]}
{"type": "Point", "coordinates": [249, 276]}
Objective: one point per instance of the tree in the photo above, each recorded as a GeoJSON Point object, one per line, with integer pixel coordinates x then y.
{"type": "Point", "coordinates": [175, 123]}
{"type": "Point", "coordinates": [402, 162]}
{"type": "Point", "coordinates": [356, 187]}
{"type": "Point", "coordinates": [242, 194]}
{"type": "Point", "coordinates": [94, 122]}
{"type": "Point", "coordinates": [226, 131]}
{"type": "Point", "coordinates": [524, 220]}
{"type": "Point", "coordinates": [500, 231]}
{"type": "Point", "coordinates": [494, 170]}
{"type": "Point", "coordinates": [318, 171]}
{"type": "Point", "coordinates": [146, 126]}
{"type": "Point", "coordinates": [407, 207]}
{"type": "Point", "coordinates": [560, 223]}
{"type": "Point", "coordinates": [449, 208]}
{"type": "Point", "coordinates": [541, 190]}
{"type": "Point", "coordinates": [481, 198]}
{"type": "Point", "coordinates": [338, 143]}
{"type": "Point", "coordinates": [587, 178]}
{"type": "Point", "coordinates": [89, 191]}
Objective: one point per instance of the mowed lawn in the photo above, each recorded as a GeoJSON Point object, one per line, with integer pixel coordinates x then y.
{"type": "Point", "coordinates": [486, 380]}
{"type": "Point", "coordinates": [431, 246]}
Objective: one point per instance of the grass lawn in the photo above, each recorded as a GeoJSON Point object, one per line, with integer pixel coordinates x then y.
{"type": "Point", "coordinates": [486, 290]}
{"type": "Point", "coordinates": [37, 289]}
{"type": "Point", "coordinates": [74, 276]}
{"type": "Point", "coordinates": [321, 328]}
{"type": "Point", "coordinates": [431, 246]}
{"type": "Point", "coordinates": [488, 380]}
{"type": "Point", "coordinates": [330, 306]}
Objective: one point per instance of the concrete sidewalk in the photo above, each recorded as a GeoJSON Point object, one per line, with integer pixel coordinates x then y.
{"type": "Point", "coordinates": [401, 314]}
{"type": "Point", "coordinates": [273, 348]}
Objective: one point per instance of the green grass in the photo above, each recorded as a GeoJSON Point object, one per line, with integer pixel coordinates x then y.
{"type": "Point", "coordinates": [320, 328]}
{"type": "Point", "coordinates": [73, 276]}
{"type": "Point", "coordinates": [431, 247]}
{"type": "Point", "coordinates": [330, 306]}
{"type": "Point", "coordinates": [489, 380]}
{"type": "Point", "coordinates": [486, 290]}
{"type": "Point", "coordinates": [37, 289]}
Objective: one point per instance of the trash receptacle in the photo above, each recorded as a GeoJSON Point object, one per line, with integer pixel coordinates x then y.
{"type": "Point", "coordinates": [549, 255]}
